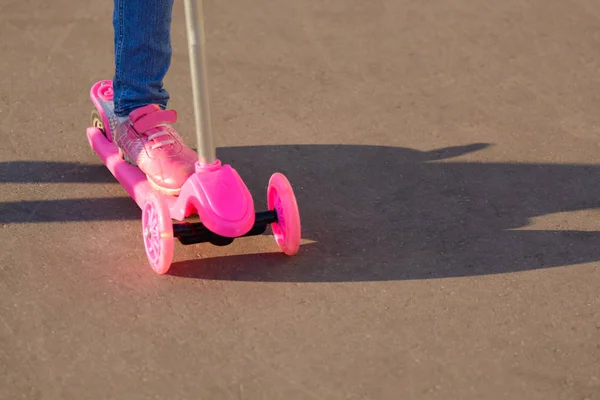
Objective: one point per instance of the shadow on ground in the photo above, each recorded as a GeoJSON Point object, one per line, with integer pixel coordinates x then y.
{"type": "Point", "coordinates": [375, 213]}
{"type": "Point", "coordinates": [64, 210]}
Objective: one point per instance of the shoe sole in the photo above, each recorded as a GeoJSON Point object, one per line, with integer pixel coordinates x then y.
{"type": "Point", "coordinates": [155, 186]}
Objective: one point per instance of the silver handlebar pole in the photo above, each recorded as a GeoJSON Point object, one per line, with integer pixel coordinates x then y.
{"type": "Point", "coordinates": [196, 43]}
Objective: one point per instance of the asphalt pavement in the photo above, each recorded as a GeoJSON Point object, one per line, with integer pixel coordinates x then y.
{"type": "Point", "coordinates": [446, 160]}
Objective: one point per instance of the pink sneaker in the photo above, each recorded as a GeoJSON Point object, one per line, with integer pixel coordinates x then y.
{"type": "Point", "coordinates": [147, 139]}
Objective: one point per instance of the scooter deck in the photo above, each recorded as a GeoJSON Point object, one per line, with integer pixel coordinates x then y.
{"type": "Point", "coordinates": [132, 179]}
{"type": "Point", "coordinates": [215, 192]}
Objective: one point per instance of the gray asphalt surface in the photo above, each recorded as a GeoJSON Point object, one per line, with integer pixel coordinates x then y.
{"type": "Point", "coordinates": [445, 156]}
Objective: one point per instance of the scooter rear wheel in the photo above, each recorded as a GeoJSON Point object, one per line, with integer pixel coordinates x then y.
{"type": "Point", "coordinates": [97, 121]}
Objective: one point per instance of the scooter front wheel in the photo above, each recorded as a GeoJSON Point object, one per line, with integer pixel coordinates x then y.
{"type": "Point", "coordinates": [281, 199]}
{"type": "Point", "coordinates": [158, 233]}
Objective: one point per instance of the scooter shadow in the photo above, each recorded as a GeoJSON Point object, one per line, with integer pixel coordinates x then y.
{"type": "Point", "coordinates": [386, 213]}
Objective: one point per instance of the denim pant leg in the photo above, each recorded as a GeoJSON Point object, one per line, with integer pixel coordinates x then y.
{"type": "Point", "coordinates": [142, 53]}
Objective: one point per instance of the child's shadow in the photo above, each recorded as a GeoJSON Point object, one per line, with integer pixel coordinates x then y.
{"type": "Point", "coordinates": [386, 213]}
{"type": "Point", "coordinates": [374, 213]}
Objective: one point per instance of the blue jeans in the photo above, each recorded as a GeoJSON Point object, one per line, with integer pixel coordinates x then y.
{"type": "Point", "coordinates": [142, 53]}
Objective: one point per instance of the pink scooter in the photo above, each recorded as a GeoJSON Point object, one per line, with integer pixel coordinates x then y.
{"type": "Point", "coordinates": [215, 193]}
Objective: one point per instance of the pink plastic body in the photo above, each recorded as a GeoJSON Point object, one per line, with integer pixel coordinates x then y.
{"type": "Point", "coordinates": [221, 199]}
{"type": "Point", "coordinates": [215, 193]}
{"type": "Point", "coordinates": [102, 91]}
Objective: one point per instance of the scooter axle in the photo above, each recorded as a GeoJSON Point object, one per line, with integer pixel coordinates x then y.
{"type": "Point", "coordinates": [195, 232]}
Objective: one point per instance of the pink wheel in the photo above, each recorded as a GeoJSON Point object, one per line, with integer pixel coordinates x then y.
{"type": "Point", "coordinates": [158, 233]}
{"type": "Point", "coordinates": [281, 199]}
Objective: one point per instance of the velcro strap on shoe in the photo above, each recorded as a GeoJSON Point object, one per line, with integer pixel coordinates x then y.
{"type": "Point", "coordinates": [151, 116]}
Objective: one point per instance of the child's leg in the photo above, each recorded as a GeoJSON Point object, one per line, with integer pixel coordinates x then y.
{"type": "Point", "coordinates": [142, 53]}
{"type": "Point", "coordinates": [144, 130]}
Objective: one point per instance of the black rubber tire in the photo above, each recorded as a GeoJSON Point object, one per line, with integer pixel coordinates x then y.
{"type": "Point", "coordinates": [97, 121]}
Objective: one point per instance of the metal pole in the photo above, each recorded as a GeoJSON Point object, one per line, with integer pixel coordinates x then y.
{"type": "Point", "coordinates": [196, 43]}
